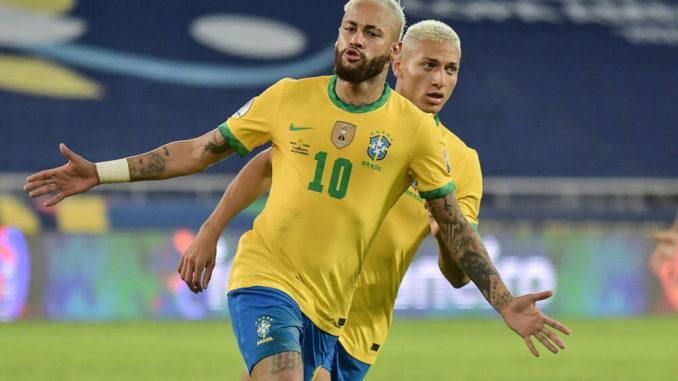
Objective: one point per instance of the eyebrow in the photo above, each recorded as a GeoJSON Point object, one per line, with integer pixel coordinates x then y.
{"type": "Point", "coordinates": [437, 61]}
{"type": "Point", "coordinates": [368, 26]}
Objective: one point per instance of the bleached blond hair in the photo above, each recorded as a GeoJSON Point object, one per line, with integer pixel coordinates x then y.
{"type": "Point", "coordinates": [429, 30]}
{"type": "Point", "coordinates": [392, 5]}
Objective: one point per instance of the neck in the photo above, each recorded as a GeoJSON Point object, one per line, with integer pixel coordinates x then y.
{"type": "Point", "coordinates": [399, 88]}
{"type": "Point", "coordinates": [362, 93]}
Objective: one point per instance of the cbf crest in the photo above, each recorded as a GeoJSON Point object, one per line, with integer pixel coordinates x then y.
{"type": "Point", "coordinates": [379, 144]}
{"type": "Point", "coordinates": [342, 134]}
{"type": "Point", "coordinates": [263, 328]}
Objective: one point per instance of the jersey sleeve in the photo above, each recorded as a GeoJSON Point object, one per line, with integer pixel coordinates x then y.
{"type": "Point", "coordinates": [469, 187]}
{"type": "Point", "coordinates": [252, 124]}
{"type": "Point", "coordinates": [429, 163]}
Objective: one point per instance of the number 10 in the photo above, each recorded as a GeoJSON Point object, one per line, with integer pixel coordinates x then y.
{"type": "Point", "coordinates": [341, 169]}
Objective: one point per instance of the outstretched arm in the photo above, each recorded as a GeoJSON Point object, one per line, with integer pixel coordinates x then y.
{"type": "Point", "coordinates": [174, 159]}
{"type": "Point", "coordinates": [252, 181]}
{"type": "Point", "coordinates": [468, 193]}
{"type": "Point", "coordinates": [466, 248]}
{"type": "Point", "coordinates": [180, 158]}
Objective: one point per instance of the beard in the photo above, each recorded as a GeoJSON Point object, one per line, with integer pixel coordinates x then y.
{"type": "Point", "coordinates": [367, 69]}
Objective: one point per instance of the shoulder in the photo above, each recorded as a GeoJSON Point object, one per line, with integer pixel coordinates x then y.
{"type": "Point", "coordinates": [305, 83]}
{"type": "Point", "coordinates": [410, 113]}
{"type": "Point", "coordinates": [458, 147]}
{"type": "Point", "coordinates": [290, 88]}
{"type": "Point", "coordinates": [454, 141]}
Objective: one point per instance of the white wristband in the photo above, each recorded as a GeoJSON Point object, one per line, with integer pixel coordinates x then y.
{"type": "Point", "coordinates": [114, 171]}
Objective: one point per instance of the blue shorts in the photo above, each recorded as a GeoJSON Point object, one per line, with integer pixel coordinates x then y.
{"type": "Point", "coordinates": [344, 367]}
{"type": "Point", "coordinates": [267, 321]}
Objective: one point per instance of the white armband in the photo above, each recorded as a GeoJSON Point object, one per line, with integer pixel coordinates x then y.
{"type": "Point", "coordinates": [114, 171]}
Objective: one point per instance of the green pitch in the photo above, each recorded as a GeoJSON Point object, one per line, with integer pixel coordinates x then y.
{"type": "Point", "coordinates": [465, 350]}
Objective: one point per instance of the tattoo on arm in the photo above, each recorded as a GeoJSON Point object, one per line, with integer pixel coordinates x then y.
{"type": "Point", "coordinates": [286, 361]}
{"type": "Point", "coordinates": [148, 166]}
{"type": "Point", "coordinates": [166, 150]}
{"type": "Point", "coordinates": [216, 146]}
{"type": "Point", "coordinates": [467, 248]}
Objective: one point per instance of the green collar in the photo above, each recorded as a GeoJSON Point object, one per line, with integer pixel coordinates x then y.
{"type": "Point", "coordinates": [356, 109]}
{"type": "Point", "coordinates": [437, 119]}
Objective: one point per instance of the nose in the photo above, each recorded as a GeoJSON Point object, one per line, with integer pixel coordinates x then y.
{"type": "Point", "coordinates": [357, 41]}
{"type": "Point", "coordinates": [439, 79]}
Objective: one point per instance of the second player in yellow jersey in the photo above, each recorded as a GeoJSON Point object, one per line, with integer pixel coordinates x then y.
{"type": "Point", "coordinates": [394, 247]}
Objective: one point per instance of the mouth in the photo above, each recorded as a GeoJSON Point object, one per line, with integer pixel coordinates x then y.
{"type": "Point", "coordinates": [435, 96]}
{"type": "Point", "coordinates": [352, 55]}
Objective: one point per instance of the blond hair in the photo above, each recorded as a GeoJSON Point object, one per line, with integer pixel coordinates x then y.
{"type": "Point", "coordinates": [392, 5]}
{"type": "Point", "coordinates": [430, 30]}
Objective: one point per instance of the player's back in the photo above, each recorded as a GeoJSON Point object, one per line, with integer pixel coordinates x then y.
{"type": "Point", "coordinates": [337, 169]}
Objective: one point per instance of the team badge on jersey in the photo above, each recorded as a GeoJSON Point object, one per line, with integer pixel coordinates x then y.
{"type": "Point", "coordinates": [243, 110]}
{"type": "Point", "coordinates": [263, 327]}
{"type": "Point", "coordinates": [378, 148]}
{"type": "Point", "coordinates": [342, 134]}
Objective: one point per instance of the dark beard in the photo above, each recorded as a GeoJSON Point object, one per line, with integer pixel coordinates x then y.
{"type": "Point", "coordinates": [367, 69]}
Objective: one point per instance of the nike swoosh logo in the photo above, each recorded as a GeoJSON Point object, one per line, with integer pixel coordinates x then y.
{"type": "Point", "coordinates": [292, 128]}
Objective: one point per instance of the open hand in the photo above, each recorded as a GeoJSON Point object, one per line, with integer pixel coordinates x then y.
{"type": "Point", "coordinates": [76, 176]}
{"type": "Point", "coordinates": [199, 257]}
{"type": "Point", "coordinates": [525, 319]}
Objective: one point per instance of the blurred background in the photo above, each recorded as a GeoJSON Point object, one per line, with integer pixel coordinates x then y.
{"type": "Point", "coordinates": [572, 106]}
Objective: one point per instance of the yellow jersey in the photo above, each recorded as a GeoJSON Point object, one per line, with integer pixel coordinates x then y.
{"type": "Point", "coordinates": [337, 170]}
{"type": "Point", "coordinates": [392, 250]}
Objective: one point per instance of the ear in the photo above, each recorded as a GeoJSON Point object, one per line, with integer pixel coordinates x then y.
{"type": "Point", "coordinates": [397, 67]}
{"type": "Point", "coordinates": [396, 49]}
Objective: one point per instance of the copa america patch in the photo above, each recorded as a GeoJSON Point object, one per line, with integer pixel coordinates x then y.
{"type": "Point", "coordinates": [243, 110]}
{"type": "Point", "coordinates": [342, 134]}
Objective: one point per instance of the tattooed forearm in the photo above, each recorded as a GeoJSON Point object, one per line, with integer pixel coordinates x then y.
{"type": "Point", "coordinates": [467, 249]}
{"type": "Point", "coordinates": [498, 291]}
{"type": "Point", "coordinates": [179, 158]}
{"type": "Point", "coordinates": [148, 166]}
{"type": "Point", "coordinates": [286, 361]}
{"type": "Point", "coordinates": [217, 145]}
{"type": "Point", "coordinates": [478, 267]}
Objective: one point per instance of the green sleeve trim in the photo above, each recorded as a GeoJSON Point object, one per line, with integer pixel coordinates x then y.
{"type": "Point", "coordinates": [232, 141]}
{"type": "Point", "coordinates": [440, 192]}
{"type": "Point", "coordinates": [474, 226]}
